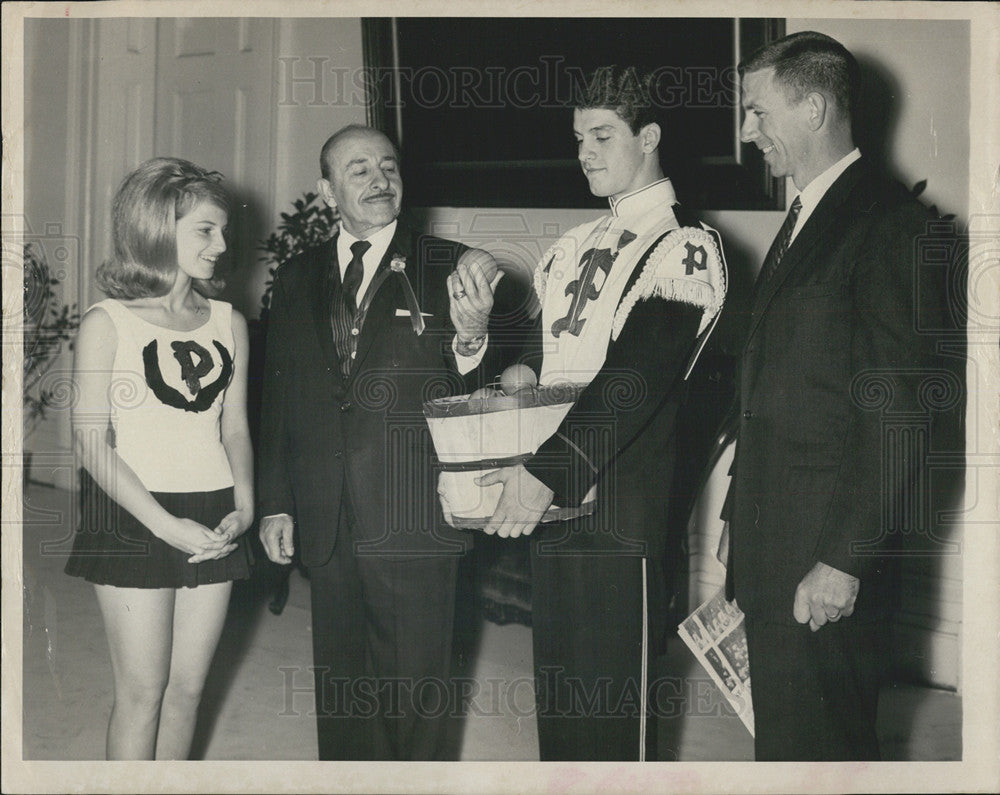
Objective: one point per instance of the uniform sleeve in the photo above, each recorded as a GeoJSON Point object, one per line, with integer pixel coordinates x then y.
{"type": "Point", "coordinates": [642, 367]}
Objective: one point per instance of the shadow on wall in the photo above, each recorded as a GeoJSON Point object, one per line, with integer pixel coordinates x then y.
{"type": "Point", "coordinates": [878, 114]}
{"type": "Point", "coordinates": [248, 223]}
{"type": "Point", "coordinates": [742, 263]}
{"type": "Point", "coordinates": [931, 539]}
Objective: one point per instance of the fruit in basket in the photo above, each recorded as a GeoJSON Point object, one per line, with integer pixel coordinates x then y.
{"type": "Point", "coordinates": [484, 392]}
{"type": "Point", "coordinates": [484, 399]}
{"type": "Point", "coordinates": [516, 378]}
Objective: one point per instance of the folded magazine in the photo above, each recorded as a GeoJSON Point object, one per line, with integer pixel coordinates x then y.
{"type": "Point", "coordinates": [716, 635]}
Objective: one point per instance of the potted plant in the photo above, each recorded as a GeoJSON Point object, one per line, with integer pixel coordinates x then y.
{"type": "Point", "coordinates": [312, 223]}
{"type": "Point", "coordinates": [49, 325]}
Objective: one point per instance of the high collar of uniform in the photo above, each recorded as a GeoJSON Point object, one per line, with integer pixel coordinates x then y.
{"type": "Point", "coordinates": [633, 204]}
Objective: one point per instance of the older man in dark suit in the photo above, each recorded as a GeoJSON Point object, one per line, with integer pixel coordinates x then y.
{"type": "Point", "coordinates": [363, 329]}
{"type": "Point", "coordinates": [833, 310]}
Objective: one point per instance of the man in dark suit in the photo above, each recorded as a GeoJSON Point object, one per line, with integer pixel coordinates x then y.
{"type": "Point", "coordinates": [362, 330]}
{"type": "Point", "coordinates": [832, 331]}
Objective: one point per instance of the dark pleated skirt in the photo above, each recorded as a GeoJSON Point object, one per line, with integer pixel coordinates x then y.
{"type": "Point", "coordinates": [112, 548]}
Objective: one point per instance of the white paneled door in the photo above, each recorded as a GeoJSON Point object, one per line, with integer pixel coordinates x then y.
{"type": "Point", "coordinates": [215, 106]}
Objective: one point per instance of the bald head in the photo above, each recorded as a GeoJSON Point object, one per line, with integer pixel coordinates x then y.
{"type": "Point", "coordinates": [361, 179]}
{"type": "Point", "coordinates": [351, 130]}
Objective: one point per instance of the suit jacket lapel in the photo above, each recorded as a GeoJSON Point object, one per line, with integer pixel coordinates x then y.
{"type": "Point", "coordinates": [386, 298]}
{"type": "Point", "coordinates": [326, 283]}
{"type": "Point", "coordinates": [828, 216]}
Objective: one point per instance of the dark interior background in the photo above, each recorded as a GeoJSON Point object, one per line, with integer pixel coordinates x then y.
{"type": "Point", "coordinates": [484, 106]}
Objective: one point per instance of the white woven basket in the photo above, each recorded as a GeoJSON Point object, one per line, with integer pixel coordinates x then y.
{"type": "Point", "coordinates": [478, 436]}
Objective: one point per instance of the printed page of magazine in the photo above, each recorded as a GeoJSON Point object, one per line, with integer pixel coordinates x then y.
{"type": "Point", "coordinates": [716, 635]}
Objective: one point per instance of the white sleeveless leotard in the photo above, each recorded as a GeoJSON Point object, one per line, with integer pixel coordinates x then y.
{"type": "Point", "coordinates": [166, 397]}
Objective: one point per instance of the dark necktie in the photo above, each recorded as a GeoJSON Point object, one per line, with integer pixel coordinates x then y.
{"type": "Point", "coordinates": [354, 275]}
{"type": "Point", "coordinates": [344, 309]}
{"type": "Point", "coordinates": [781, 242]}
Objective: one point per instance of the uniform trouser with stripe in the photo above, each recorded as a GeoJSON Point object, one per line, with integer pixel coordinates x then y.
{"type": "Point", "coordinates": [591, 653]}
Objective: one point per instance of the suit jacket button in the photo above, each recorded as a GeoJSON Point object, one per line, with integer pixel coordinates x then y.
{"type": "Point", "coordinates": [345, 405]}
{"type": "Point", "coordinates": [338, 454]}
{"type": "Point", "coordinates": [747, 414]}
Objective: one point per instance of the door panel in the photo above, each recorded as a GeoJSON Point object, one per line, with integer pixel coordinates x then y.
{"type": "Point", "coordinates": [214, 86]}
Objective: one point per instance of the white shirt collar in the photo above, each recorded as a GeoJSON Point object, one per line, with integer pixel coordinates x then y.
{"type": "Point", "coordinates": [373, 256]}
{"type": "Point", "coordinates": [813, 193]}
{"type": "Point", "coordinates": [633, 204]}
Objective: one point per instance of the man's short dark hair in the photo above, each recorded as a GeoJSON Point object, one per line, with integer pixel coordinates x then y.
{"type": "Point", "coordinates": [621, 89]}
{"type": "Point", "coordinates": [810, 61]}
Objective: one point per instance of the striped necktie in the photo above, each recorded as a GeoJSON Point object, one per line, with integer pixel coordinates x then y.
{"type": "Point", "coordinates": [355, 274]}
{"type": "Point", "coordinates": [781, 242]}
{"type": "Point", "coordinates": [345, 309]}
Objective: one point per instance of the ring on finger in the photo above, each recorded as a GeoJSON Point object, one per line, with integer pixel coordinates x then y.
{"type": "Point", "coordinates": [458, 294]}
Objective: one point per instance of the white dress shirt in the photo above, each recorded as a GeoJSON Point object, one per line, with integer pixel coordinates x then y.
{"type": "Point", "coordinates": [813, 192]}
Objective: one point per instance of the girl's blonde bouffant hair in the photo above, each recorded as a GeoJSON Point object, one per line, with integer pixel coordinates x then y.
{"type": "Point", "coordinates": [144, 218]}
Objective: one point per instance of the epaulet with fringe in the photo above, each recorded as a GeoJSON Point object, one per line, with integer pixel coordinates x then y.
{"type": "Point", "coordinates": [687, 266]}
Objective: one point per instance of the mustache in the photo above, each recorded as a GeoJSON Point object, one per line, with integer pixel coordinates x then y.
{"type": "Point", "coordinates": [381, 195]}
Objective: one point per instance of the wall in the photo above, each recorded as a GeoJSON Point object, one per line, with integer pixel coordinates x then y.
{"type": "Point", "coordinates": [45, 130]}
{"type": "Point", "coordinates": [48, 218]}
{"type": "Point", "coordinates": [318, 64]}
{"type": "Point", "coordinates": [309, 110]}
{"type": "Point", "coordinates": [918, 98]}
{"type": "Point", "coordinates": [45, 122]}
